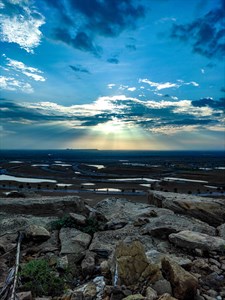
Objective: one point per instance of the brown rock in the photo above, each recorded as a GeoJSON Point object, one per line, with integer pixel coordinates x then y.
{"type": "Point", "coordinates": [90, 291]}
{"type": "Point", "coordinates": [24, 296]}
{"type": "Point", "coordinates": [134, 297]}
{"type": "Point", "coordinates": [35, 232]}
{"type": "Point", "coordinates": [151, 294]}
{"type": "Point", "coordinates": [184, 284]}
{"type": "Point", "coordinates": [132, 265]}
{"type": "Point", "coordinates": [167, 297]}
{"type": "Point", "coordinates": [192, 240]}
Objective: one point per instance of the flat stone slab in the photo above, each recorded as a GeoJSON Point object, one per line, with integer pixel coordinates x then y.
{"type": "Point", "coordinates": [164, 225]}
{"type": "Point", "coordinates": [42, 206]}
{"type": "Point", "coordinates": [195, 240]}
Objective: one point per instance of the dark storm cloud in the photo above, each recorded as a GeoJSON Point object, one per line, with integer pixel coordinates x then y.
{"type": "Point", "coordinates": [113, 60]}
{"type": "Point", "coordinates": [12, 111]}
{"type": "Point", "coordinates": [85, 20]}
{"type": "Point", "coordinates": [81, 41]}
{"type": "Point", "coordinates": [219, 104]}
{"type": "Point", "coordinates": [205, 34]}
{"type": "Point", "coordinates": [79, 68]}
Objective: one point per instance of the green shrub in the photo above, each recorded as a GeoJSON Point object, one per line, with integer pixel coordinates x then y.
{"type": "Point", "coordinates": [65, 221]}
{"type": "Point", "coordinates": [92, 225]}
{"type": "Point", "coordinates": [37, 277]}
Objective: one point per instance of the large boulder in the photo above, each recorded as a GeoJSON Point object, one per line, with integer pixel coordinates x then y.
{"type": "Point", "coordinates": [192, 240]}
{"type": "Point", "coordinates": [74, 242]}
{"type": "Point", "coordinates": [183, 283]}
{"type": "Point", "coordinates": [164, 225]}
{"type": "Point", "coordinates": [132, 267]}
{"type": "Point", "coordinates": [122, 209]}
{"type": "Point", "coordinates": [209, 210]}
{"type": "Point", "coordinates": [104, 242]}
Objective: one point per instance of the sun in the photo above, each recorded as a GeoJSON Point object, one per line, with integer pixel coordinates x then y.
{"type": "Point", "coordinates": [114, 126]}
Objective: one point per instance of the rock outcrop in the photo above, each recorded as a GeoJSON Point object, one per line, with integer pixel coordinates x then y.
{"type": "Point", "coordinates": [43, 206]}
{"type": "Point", "coordinates": [118, 249]}
{"type": "Point", "coordinates": [209, 210]}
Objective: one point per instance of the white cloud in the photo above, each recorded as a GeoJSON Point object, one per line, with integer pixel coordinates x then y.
{"type": "Point", "coordinates": [165, 85]}
{"type": "Point", "coordinates": [191, 83]}
{"type": "Point", "coordinates": [123, 87]}
{"type": "Point", "coordinates": [12, 84]}
{"type": "Point", "coordinates": [132, 89]}
{"type": "Point", "coordinates": [28, 71]}
{"type": "Point", "coordinates": [111, 85]}
{"type": "Point", "coordinates": [166, 19]}
{"type": "Point", "coordinates": [188, 109]}
{"type": "Point", "coordinates": [159, 86]}
{"type": "Point", "coordinates": [22, 29]}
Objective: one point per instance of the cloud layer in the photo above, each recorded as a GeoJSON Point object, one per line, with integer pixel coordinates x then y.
{"type": "Point", "coordinates": [150, 116]}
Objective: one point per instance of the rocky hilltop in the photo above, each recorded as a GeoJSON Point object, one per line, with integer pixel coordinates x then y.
{"type": "Point", "coordinates": [172, 248]}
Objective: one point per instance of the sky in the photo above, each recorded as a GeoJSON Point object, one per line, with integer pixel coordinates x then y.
{"type": "Point", "coordinates": [112, 74]}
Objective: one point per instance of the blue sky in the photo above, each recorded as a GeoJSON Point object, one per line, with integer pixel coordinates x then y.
{"type": "Point", "coordinates": [112, 74]}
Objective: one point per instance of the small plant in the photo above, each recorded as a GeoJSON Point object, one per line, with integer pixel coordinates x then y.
{"type": "Point", "coordinates": [65, 221]}
{"type": "Point", "coordinates": [92, 225]}
{"type": "Point", "coordinates": [37, 277]}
